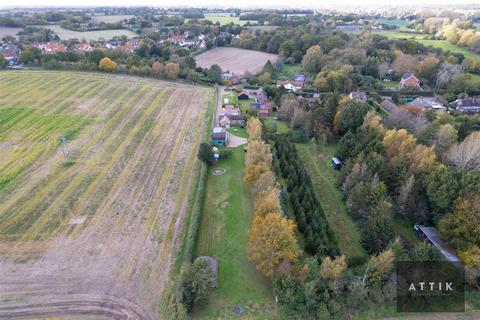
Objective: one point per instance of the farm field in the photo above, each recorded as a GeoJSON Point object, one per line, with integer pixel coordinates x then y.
{"type": "Point", "coordinates": [317, 163]}
{"type": "Point", "coordinates": [95, 234]}
{"type": "Point", "coordinates": [235, 60]}
{"type": "Point", "coordinates": [226, 217]}
{"type": "Point", "coordinates": [225, 18]}
{"type": "Point", "coordinates": [5, 31]}
{"type": "Point", "coordinates": [65, 34]}
{"type": "Point", "coordinates": [110, 19]}
{"type": "Point", "coordinates": [442, 44]}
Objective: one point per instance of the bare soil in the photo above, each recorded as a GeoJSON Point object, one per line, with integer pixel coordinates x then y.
{"type": "Point", "coordinates": [235, 60]}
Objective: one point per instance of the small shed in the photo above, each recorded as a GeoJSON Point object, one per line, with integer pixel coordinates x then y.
{"type": "Point", "coordinates": [336, 163]}
{"type": "Point", "coordinates": [243, 96]}
{"type": "Point", "coordinates": [219, 137]}
{"type": "Point", "coordinates": [212, 263]}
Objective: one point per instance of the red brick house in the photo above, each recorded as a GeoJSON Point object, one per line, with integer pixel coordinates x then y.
{"type": "Point", "coordinates": [409, 80]}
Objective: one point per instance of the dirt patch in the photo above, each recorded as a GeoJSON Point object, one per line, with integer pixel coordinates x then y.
{"type": "Point", "coordinates": [224, 204]}
{"type": "Point", "coordinates": [235, 60]}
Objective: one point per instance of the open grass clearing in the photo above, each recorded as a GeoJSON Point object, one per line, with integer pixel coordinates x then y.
{"type": "Point", "coordinates": [226, 18]}
{"type": "Point", "coordinates": [110, 18]}
{"type": "Point", "coordinates": [235, 60]}
{"type": "Point", "coordinates": [226, 218]}
{"type": "Point", "coordinates": [290, 70]}
{"type": "Point", "coordinates": [317, 159]}
{"type": "Point", "coordinates": [65, 34]}
{"type": "Point", "coordinates": [6, 31]}
{"type": "Point", "coordinates": [281, 127]}
{"type": "Point", "coordinates": [132, 146]}
{"type": "Point", "coordinates": [423, 39]}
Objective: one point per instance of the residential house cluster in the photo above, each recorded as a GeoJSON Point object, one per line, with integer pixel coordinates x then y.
{"type": "Point", "coordinates": [51, 47]}
{"type": "Point", "coordinates": [10, 52]}
{"type": "Point", "coordinates": [261, 104]}
{"type": "Point", "coordinates": [186, 40]}
{"type": "Point", "coordinates": [293, 85]}
{"type": "Point", "coordinates": [232, 77]}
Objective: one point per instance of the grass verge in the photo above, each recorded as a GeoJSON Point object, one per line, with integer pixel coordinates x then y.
{"type": "Point", "coordinates": [317, 162]}
{"type": "Point", "coordinates": [226, 218]}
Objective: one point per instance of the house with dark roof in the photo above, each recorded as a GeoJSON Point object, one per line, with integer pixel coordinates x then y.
{"type": "Point", "coordinates": [219, 137]}
{"type": "Point", "coordinates": [409, 80]}
{"type": "Point", "coordinates": [358, 95]}
{"type": "Point", "coordinates": [243, 96]}
{"type": "Point", "coordinates": [255, 105]}
{"type": "Point", "coordinates": [388, 105]}
{"type": "Point", "coordinates": [467, 105]}
{"type": "Point", "coordinates": [261, 96]}
{"type": "Point", "coordinates": [265, 110]}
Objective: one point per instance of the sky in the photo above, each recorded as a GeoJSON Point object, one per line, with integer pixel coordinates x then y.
{"type": "Point", "coordinates": [238, 3]}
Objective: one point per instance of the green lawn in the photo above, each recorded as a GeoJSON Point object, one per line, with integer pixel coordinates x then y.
{"type": "Point", "coordinates": [231, 97]}
{"type": "Point", "coordinates": [227, 215]}
{"type": "Point", "coordinates": [290, 70]}
{"type": "Point", "coordinates": [390, 84]}
{"type": "Point", "coordinates": [423, 39]}
{"type": "Point", "coordinates": [245, 104]}
{"type": "Point", "coordinates": [282, 126]}
{"type": "Point", "coordinates": [317, 162]}
{"type": "Point", "coordinates": [239, 132]}
{"type": "Point", "coordinates": [447, 46]}
{"type": "Point", "coordinates": [225, 18]}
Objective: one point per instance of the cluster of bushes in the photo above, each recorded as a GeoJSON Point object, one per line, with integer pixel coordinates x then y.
{"type": "Point", "coordinates": [308, 213]}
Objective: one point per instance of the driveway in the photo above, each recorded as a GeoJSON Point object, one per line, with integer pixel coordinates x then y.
{"type": "Point", "coordinates": [234, 141]}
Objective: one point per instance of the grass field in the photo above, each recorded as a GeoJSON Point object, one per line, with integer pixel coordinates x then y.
{"type": "Point", "coordinates": [110, 19]}
{"type": "Point", "coordinates": [442, 44]}
{"type": "Point", "coordinates": [235, 60]}
{"type": "Point", "coordinates": [290, 70]}
{"type": "Point", "coordinates": [5, 31]}
{"type": "Point", "coordinates": [227, 215]}
{"type": "Point", "coordinates": [65, 34]}
{"type": "Point", "coordinates": [393, 22]}
{"type": "Point", "coordinates": [106, 220]}
{"type": "Point", "coordinates": [225, 18]}
{"type": "Point", "coordinates": [317, 162]}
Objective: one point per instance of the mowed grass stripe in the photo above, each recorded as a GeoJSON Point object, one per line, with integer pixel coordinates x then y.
{"type": "Point", "coordinates": [318, 167]}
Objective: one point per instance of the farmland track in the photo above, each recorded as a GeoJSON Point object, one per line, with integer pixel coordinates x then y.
{"type": "Point", "coordinates": [133, 161]}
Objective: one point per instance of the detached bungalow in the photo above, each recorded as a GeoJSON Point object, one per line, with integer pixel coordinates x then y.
{"type": "Point", "coordinates": [388, 105]}
{"type": "Point", "coordinates": [409, 80]}
{"type": "Point", "coordinates": [291, 85]}
{"type": "Point", "coordinates": [261, 96]}
{"type": "Point", "coordinates": [219, 137]}
{"type": "Point", "coordinates": [358, 95]}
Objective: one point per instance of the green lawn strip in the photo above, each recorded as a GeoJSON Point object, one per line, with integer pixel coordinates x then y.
{"type": "Point", "coordinates": [237, 131]}
{"type": "Point", "coordinates": [289, 70]}
{"type": "Point", "coordinates": [282, 127]}
{"type": "Point", "coordinates": [317, 164]}
{"type": "Point", "coordinates": [447, 46]}
{"type": "Point", "coordinates": [226, 217]}
{"type": "Point", "coordinates": [404, 229]}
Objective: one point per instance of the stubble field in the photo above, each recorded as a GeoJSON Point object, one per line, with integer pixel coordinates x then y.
{"type": "Point", "coordinates": [93, 235]}
{"type": "Point", "coordinates": [235, 60]}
